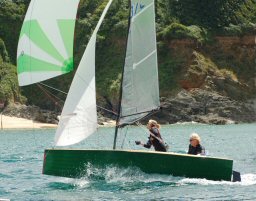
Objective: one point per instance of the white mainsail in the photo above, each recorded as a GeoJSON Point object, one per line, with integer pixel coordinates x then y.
{"type": "Point", "coordinates": [79, 115]}
{"type": "Point", "coordinates": [45, 47]}
{"type": "Point", "coordinates": [140, 88]}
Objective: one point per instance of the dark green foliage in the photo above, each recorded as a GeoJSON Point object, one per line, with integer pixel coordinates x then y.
{"type": "Point", "coordinates": [197, 20]}
{"type": "Point", "coordinates": [3, 52]}
{"type": "Point", "coordinates": [163, 14]}
{"type": "Point", "coordinates": [9, 89]}
{"type": "Point", "coordinates": [170, 68]}
{"type": "Point", "coordinates": [179, 31]}
{"type": "Point", "coordinates": [238, 30]}
{"type": "Point", "coordinates": [11, 17]}
{"type": "Point", "coordinates": [214, 14]}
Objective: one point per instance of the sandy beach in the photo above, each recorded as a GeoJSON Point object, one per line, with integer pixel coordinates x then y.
{"type": "Point", "coordinates": [7, 122]}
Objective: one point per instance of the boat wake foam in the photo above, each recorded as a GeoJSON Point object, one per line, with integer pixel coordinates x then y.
{"type": "Point", "coordinates": [246, 180]}
{"type": "Point", "coordinates": [112, 175]}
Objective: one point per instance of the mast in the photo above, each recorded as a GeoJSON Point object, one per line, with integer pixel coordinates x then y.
{"type": "Point", "coordinates": [121, 85]}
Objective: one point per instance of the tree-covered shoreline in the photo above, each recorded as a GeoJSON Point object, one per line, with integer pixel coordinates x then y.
{"type": "Point", "coordinates": [184, 28]}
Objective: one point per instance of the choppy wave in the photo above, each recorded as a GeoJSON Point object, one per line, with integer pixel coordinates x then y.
{"type": "Point", "coordinates": [128, 176]}
{"type": "Point", "coordinates": [21, 161]}
{"type": "Point", "coordinates": [188, 123]}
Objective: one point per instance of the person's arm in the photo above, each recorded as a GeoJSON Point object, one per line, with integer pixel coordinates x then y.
{"type": "Point", "coordinates": [147, 145]}
{"type": "Point", "coordinates": [189, 149]}
{"type": "Point", "coordinates": [202, 151]}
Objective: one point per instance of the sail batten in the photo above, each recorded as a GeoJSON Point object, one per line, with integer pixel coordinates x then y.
{"type": "Point", "coordinates": [144, 59]}
{"type": "Point", "coordinates": [145, 112]}
{"type": "Point", "coordinates": [140, 88]}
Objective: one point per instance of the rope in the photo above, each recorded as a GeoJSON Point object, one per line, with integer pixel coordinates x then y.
{"type": "Point", "coordinates": [107, 110]}
{"type": "Point", "coordinates": [55, 96]}
{"type": "Point", "coordinates": [50, 96]}
{"type": "Point", "coordinates": [110, 111]}
{"type": "Point", "coordinates": [53, 88]}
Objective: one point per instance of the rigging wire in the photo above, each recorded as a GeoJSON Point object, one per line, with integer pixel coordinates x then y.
{"type": "Point", "coordinates": [139, 119]}
{"type": "Point", "coordinates": [53, 88]}
{"type": "Point", "coordinates": [56, 99]}
{"type": "Point", "coordinates": [100, 107]}
{"type": "Point", "coordinates": [110, 111]}
{"type": "Point", "coordinates": [124, 137]}
{"type": "Point", "coordinates": [51, 96]}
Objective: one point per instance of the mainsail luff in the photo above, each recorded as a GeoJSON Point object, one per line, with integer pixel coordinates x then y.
{"type": "Point", "coordinates": [121, 85]}
{"type": "Point", "coordinates": [79, 115]}
{"type": "Point", "coordinates": [140, 90]}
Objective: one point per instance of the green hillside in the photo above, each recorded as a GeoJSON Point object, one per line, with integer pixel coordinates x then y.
{"type": "Point", "coordinates": [183, 28]}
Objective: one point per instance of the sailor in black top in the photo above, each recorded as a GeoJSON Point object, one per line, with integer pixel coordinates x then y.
{"type": "Point", "coordinates": [195, 147]}
{"type": "Point", "coordinates": [154, 138]}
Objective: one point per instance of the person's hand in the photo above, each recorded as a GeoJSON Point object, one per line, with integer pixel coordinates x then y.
{"type": "Point", "coordinates": [137, 142]}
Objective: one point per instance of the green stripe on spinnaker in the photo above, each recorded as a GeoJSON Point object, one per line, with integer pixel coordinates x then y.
{"type": "Point", "coordinates": [68, 65]}
{"type": "Point", "coordinates": [66, 28]}
{"type": "Point", "coordinates": [31, 64]}
{"type": "Point", "coordinates": [35, 33]}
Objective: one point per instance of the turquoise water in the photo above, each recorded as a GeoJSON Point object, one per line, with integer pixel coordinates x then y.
{"type": "Point", "coordinates": [22, 155]}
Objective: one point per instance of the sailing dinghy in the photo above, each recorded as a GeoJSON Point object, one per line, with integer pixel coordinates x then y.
{"type": "Point", "coordinates": [45, 51]}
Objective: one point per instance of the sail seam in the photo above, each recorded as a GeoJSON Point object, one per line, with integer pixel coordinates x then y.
{"type": "Point", "coordinates": [153, 109]}
{"type": "Point", "coordinates": [144, 59]}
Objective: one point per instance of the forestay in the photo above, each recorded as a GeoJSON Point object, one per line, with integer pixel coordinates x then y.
{"type": "Point", "coordinates": [79, 116]}
{"type": "Point", "coordinates": [45, 48]}
{"type": "Point", "coordinates": [140, 88]}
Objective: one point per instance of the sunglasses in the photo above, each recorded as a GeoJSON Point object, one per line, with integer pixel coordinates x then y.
{"type": "Point", "coordinates": [191, 140]}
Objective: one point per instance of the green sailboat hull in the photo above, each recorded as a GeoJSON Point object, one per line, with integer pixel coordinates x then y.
{"type": "Point", "coordinates": [72, 163]}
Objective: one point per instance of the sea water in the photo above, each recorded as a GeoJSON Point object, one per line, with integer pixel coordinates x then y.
{"type": "Point", "coordinates": [21, 161]}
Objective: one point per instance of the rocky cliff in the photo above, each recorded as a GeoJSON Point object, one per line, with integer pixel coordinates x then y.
{"type": "Point", "coordinates": [217, 82]}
